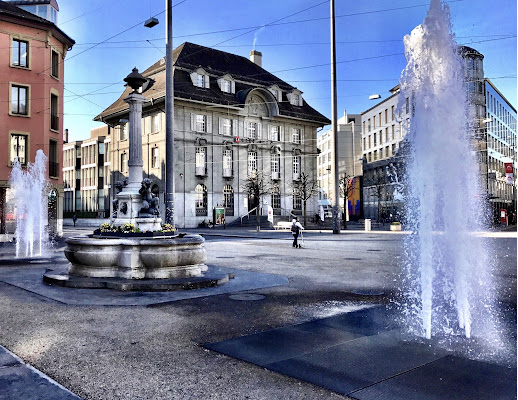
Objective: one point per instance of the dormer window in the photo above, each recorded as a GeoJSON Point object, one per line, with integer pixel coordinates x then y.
{"type": "Point", "coordinates": [227, 84]}
{"type": "Point", "coordinates": [277, 93]}
{"type": "Point", "coordinates": [200, 78]}
{"type": "Point", "coordinates": [295, 98]}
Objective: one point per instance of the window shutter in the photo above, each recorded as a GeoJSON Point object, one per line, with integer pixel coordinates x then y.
{"type": "Point", "coordinates": [194, 78]}
{"type": "Point", "coordinates": [220, 126]}
{"type": "Point", "coordinates": [235, 131]}
{"type": "Point", "coordinates": [259, 131]}
{"type": "Point", "coordinates": [281, 133]}
{"type": "Point", "coordinates": [302, 130]}
{"type": "Point", "coordinates": [241, 131]}
{"type": "Point", "coordinates": [209, 123]}
{"type": "Point", "coordinates": [193, 122]}
{"type": "Point", "coordinates": [233, 86]}
{"type": "Point", "coordinates": [269, 130]}
{"type": "Point", "coordinates": [207, 85]}
{"type": "Point", "coordinates": [301, 102]}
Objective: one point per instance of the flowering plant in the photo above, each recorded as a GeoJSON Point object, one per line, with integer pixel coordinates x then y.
{"type": "Point", "coordinates": [168, 228]}
{"type": "Point", "coordinates": [106, 227]}
{"type": "Point", "coordinates": [127, 228]}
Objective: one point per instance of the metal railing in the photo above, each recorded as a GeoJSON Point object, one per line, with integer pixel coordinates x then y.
{"type": "Point", "coordinates": [248, 214]}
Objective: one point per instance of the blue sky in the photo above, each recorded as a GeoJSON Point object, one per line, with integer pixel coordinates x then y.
{"type": "Point", "coordinates": [368, 33]}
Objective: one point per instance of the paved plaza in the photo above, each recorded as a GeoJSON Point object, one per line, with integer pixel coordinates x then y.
{"type": "Point", "coordinates": [100, 344]}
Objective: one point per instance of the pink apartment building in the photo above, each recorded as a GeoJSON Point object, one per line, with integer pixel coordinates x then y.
{"type": "Point", "coordinates": [32, 51]}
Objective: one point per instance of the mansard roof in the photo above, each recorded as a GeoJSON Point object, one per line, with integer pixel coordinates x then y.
{"type": "Point", "coordinates": [188, 57]}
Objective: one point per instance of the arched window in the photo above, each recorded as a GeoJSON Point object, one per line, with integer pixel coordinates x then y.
{"type": "Point", "coordinates": [200, 198]}
{"type": "Point", "coordinates": [228, 200]}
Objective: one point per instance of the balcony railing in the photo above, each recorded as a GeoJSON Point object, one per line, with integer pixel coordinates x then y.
{"type": "Point", "coordinates": [201, 171]}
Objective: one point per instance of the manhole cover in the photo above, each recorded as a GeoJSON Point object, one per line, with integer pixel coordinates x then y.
{"type": "Point", "coordinates": [368, 292]}
{"type": "Point", "coordinates": [247, 296]}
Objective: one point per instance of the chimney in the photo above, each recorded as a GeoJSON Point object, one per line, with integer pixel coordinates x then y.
{"type": "Point", "coordinates": [65, 136]}
{"type": "Point", "coordinates": [256, 57]}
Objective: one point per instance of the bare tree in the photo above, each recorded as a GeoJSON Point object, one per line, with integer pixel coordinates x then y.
{"type": "Point", "coordinates": [256, 185]}
{"type": "Point", "coordinates": [304, 188]}
{"type": "Point", "coordinates": [378, 185]}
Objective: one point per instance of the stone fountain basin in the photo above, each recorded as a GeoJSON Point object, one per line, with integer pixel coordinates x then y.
{"type": "Point", "coordinates": [137, 258]}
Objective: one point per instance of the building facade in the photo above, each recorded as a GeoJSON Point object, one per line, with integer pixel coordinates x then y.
{"type": "Point", "coordinates": [231, 119]}
{"type": "Point", "coordinates": [349, 159]}
{"type": "Point", "coordinates": [493, 126]}
{"type": "Point", "coordinates": [501, 143]}
{"type": "Point", "coordinates": [86, 175]}
{"type": "Point", "coordinates": [31, 97]}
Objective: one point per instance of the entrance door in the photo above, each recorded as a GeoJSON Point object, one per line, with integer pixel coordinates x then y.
{"type": "Point", "coordinates": [253, 202]}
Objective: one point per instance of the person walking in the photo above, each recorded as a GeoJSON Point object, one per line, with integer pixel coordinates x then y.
{"type": "Point", "coordinates": [74, 218]}
{"type": "Point", "coordinates": [296, 227]}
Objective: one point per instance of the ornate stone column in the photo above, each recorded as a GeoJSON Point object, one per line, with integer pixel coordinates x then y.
{"type": "Point", "coordinates": [130, 201]}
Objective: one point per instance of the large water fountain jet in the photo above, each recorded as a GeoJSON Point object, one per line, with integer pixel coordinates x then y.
{"type": "Point", "coordinates": [448, 285]}
{"type": "Point", "coordinates": [28, 200]}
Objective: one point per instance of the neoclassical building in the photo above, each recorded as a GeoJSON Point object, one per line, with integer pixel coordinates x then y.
{"type": "Point", "coordinates": [231, 119]}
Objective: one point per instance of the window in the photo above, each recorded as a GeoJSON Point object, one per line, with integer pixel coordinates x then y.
{"type": "Point", "coordinates": [386, 115]}
{"type": "Point", "coordinates": [201, 81]}
{"type": "Point", "coordinates": [369, 124]}
{"type": "Point", "coordinates": [124, 163]}
{"type": "Point", "coordinates": [200, 200]}
{"type": "Point", "coordinates": [200, 161]}
{"type": "Point", "coordinates": [379, 119]}
{"type": "Point", "coordinates": [252, 130]}
{"type": "Point", "coordinates": [226, 86]}
{"type": "Point", "coordinates": [374, 122]}
{"type": "Point", "coordinates": [392, 113]}
{"type": "Point", "coordinates": [375, 141]}
{"type": "Point", "coordinates": [252, 163]}
{"type": "Point", "coordinates": [296, 167]}
{"type": "Point", "coordinates": [155, 160]}
{"type": "Point", "coordinates": [364, 127]}
{"type": "Point", "coordinates": [54, 118]}
{"type": "Point", "coordinates": [201, 123]}
{"type": "Point", "coordinates": [227, 163]}
{"type": "Point", "coordinates": [276, 201]}
{"type": "Point", "coordinates": [228, 200]}
{"type": "Point", "coordinates": [275, 166]}
{"type": "Point", "coordinates": [297, 203]}
{"type": "Point", "coordinates": [226, 126]}
{"type": "Point", "coordinates": [156, 123]}
{"type": "Point", "coordinates": [393, 135]}
{"type": "Point", "coordinates": [54, 64]}
{"type": "Point", "coordinates": [275, 133]}
{"type": "Point", "coordinates": [407, 105]}
{"type": "Point", "coordinates": [18, 148]}
{"type": "Point", "coordinates": [124, 131]}
{"type": "Point", "coordinates": [295, 99]}
{"type": "Point", "coordinates": [296, 135]}
{"type": "Point", "coordinates": [20, 53]}
{"type": "Point", "coordinates": [19, 100]}
{"type": "Point", "coordinates": [53, 159]}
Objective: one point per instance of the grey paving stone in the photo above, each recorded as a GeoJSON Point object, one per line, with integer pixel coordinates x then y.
{"type": "Point", "coordinates": [449, 378]}
{"type": "Point", "coordinates": [279, 344]}
{"type": "Point", "coordinates": [358, 363]}
{"type": "Point", "coordinates": [19, 382]}
{"type": "Point", "coordinates": [366, 322]}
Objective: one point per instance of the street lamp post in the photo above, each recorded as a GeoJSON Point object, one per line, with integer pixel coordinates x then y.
{"type": "Point", "coordinates": [336, 220]}
{"type": "Point", "coordinates": [169, 117]}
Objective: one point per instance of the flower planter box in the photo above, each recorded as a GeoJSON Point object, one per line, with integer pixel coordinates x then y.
{"type": "Point", "coordinates": [98, 233]}
{"type": "Point", "coordinates": [396, 227]}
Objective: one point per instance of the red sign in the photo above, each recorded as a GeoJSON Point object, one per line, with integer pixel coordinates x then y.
{"type": "Point", "coordinates": [508, 167]}
{"type": "Point", "coordinates": [236, 139]}
{"type": "Point", "coordinates": [503, 216]}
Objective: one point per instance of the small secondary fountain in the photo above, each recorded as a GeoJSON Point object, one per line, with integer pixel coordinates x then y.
{"type": "Point", "coordinates": [28, 200]}
{"type": "Point", "coordinates": [448, 286]}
